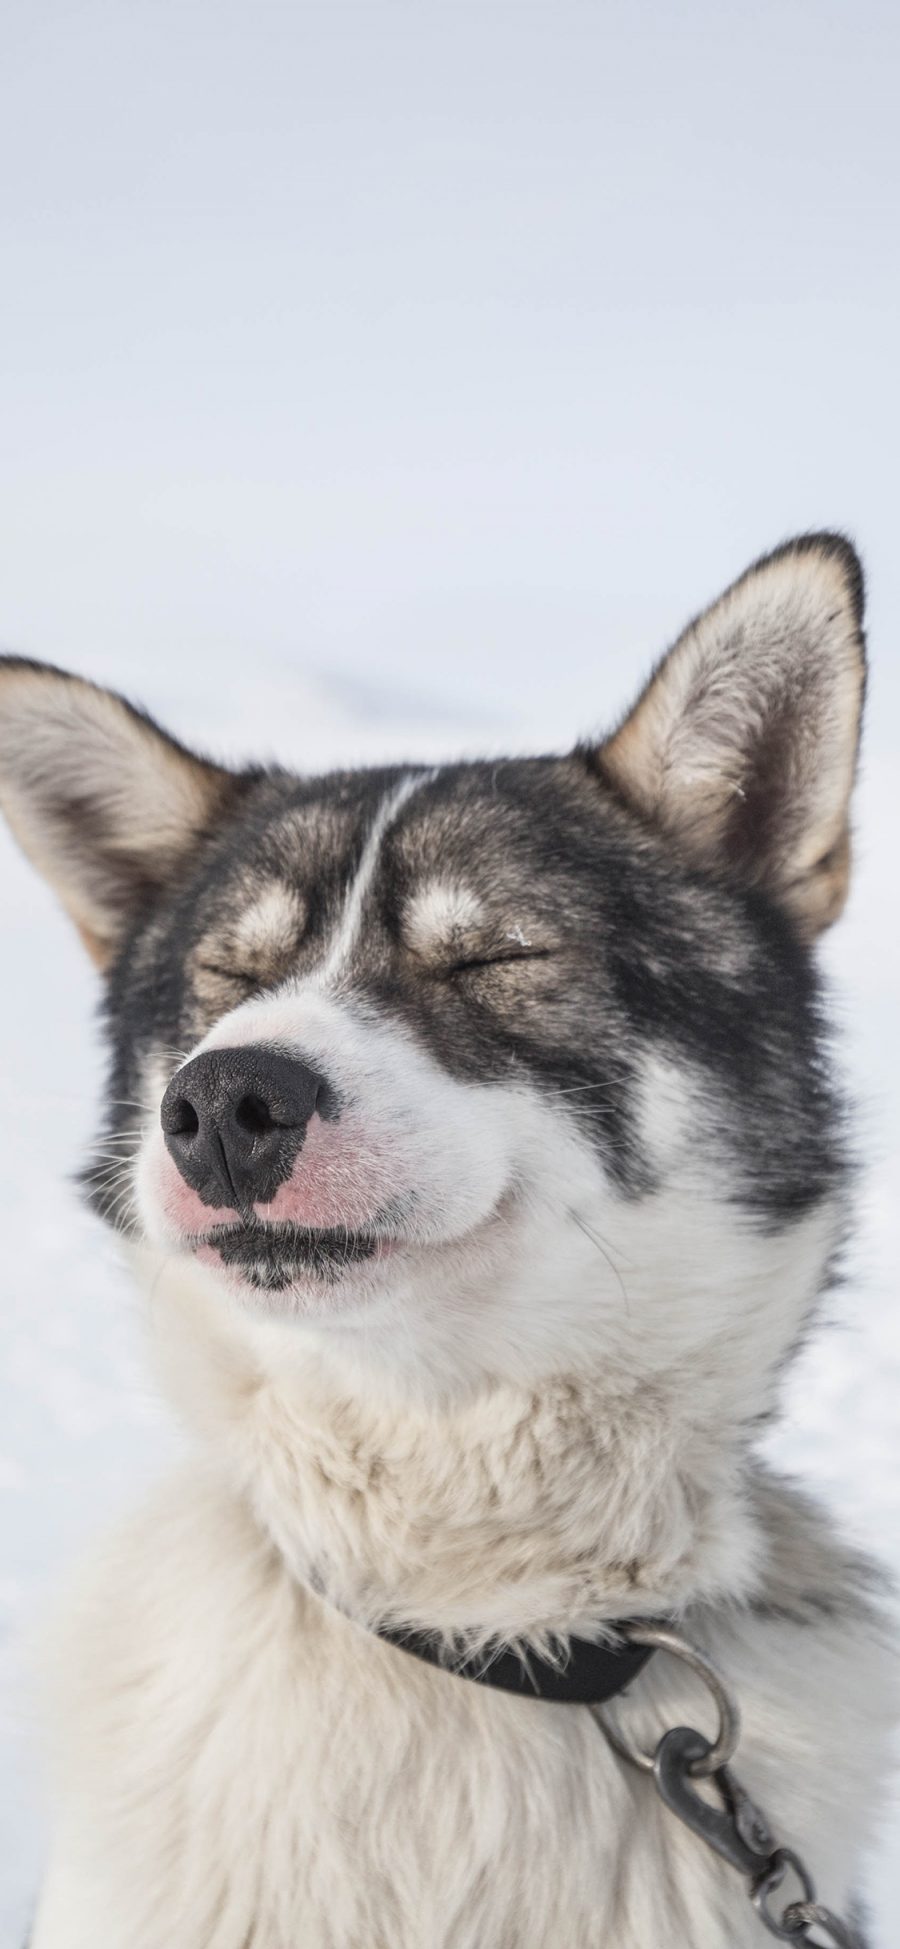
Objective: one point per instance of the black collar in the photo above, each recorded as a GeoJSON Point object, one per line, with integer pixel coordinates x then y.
{"type": "Point", "coordinates": [589, 1674]}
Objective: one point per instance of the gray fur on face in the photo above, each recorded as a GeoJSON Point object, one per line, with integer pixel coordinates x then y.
{"type": "Point", "coordinates": [544, 923]}
{"type": "Point", "coordinates": [565, 944]}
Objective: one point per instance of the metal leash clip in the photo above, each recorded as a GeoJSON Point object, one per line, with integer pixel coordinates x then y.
{"type": "Point", "coordinates": [733, 1827]}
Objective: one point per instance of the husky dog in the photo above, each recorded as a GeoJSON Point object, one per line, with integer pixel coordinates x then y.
{"type": "Point", "coordinates": [475, 1141]}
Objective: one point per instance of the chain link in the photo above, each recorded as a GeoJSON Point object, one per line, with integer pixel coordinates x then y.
{"type": "Point", "coordinates": [734, 1827]}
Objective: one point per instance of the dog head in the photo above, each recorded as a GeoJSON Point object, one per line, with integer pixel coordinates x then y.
{"type": "Point", "coordinates": [495, 1066]}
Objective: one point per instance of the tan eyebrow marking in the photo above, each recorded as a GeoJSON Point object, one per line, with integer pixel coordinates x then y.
{"type": "Point", "coordinates": [272, 927]}
{"type": "Point", "coordinates": [252, 944]}
{"type": "Point", "coordinates": [439, 915]}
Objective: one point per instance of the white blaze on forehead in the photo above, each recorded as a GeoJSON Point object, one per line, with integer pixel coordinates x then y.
{"type": "Point", "coordinates": [348, 930]}
{"type": "Point", "coordinates": [437, 913]}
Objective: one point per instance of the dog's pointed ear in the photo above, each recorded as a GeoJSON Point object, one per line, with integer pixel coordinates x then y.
{"type": "Point", "coordinates": [742, 747]}
{"type": "Point", "coordinates": [104, 803]}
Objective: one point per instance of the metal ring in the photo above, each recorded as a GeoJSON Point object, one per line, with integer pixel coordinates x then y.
{"type": "Point", "coordinates": [786, 1930]}
{"type": "Point", "coordinates": [812, 1915]}
{"type": "Point", "coordinates": [725, 1743]}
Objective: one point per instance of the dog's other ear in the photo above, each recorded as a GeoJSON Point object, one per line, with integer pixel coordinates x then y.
{"type": "Point", "coordinates": [742, 746]}
{"type": "Point", "coordinates": [101, 800]}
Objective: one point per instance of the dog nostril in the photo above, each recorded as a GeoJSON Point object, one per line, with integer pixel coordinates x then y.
{"type": "Point", "coordinates": [181, 1119]}
{"type": "Point", "coordinates": [253, 1114]}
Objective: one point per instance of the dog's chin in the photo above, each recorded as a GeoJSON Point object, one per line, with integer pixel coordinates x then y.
{"type": "Point", "coordinates": [292, 1268]}
{"type": "Point", "coordinates": [282, 1269]}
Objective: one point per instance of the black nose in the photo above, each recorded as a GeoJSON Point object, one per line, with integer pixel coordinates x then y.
{"type": "Point", "coordinates": [234, 1120]}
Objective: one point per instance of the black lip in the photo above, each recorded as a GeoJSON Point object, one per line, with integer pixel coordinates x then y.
{"type": "Point", "coordinates": [273, 1256]}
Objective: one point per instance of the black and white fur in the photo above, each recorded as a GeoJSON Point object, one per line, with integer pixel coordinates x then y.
{"type": "Point", "coordinates": [496, 1367]}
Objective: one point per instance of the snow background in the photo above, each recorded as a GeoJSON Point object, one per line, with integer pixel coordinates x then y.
{"type": "Point", "coordinates": [393, 380]}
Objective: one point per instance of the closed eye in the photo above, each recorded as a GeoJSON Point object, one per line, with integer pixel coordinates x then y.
{"type": "Point", "coordinates": [223, 973]}
{"type": "Point", "coordinates": [502, 958]}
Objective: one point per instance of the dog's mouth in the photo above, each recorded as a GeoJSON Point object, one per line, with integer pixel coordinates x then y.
{"type": "Point", "coordinates": [276, 1256]}
{"type": "Point", "coordinates": [272, 1256]}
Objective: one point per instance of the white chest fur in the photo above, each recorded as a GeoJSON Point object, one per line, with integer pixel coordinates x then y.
{"type": "Point", "coordinates": [242, 1767]}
